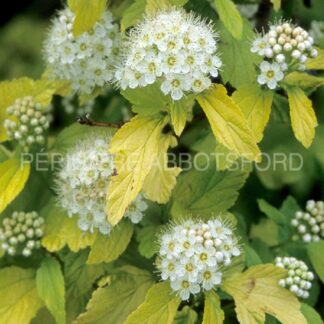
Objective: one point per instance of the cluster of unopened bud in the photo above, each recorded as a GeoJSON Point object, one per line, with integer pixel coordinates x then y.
{"type": "Point", "coordinates": [309, 224]}
{"type": "Point", "coordinates": [285, 47]}
{"type": "Point", "coordinates": [27, 122]}
{"type": "Point", "coordinates": [21, 233]}
{"type": "Point", "coordinates": [299, 277]}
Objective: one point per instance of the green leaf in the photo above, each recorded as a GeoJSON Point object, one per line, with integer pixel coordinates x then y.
{"type": "Point", "coordinates": [272, 212]}
{"type": "Point", "coordinates": [61, 230]}
{"type": "Point", "coordinates": [251, 257]}
{"type": "Point", "coordinates": [160, 306]}
{"type": "Point", "coordinates": [50, 287]}
{"type": "Point", "coordinates": [315, 253]}
{"type": "Point", "coordinates": [13, 177]}
{"type": "Point", "coordinates": [161, 173]}
{"type": "Point", "coordinates": [256, 292]}
{"type": "Point", "coordinates": [147, 238]}
{"type": "Point", "coordinates": [87, 13]}
{"type": "Point", "coordinates": [213, 312]}
{"type": "Point", "coordinates": [256, 106]}
{"type": "Point", "coordinates": [18, 295]}
{"type": "Point", "coordinates": [80, 278]}
{"type": "Point", "coordinates": [113, 303]}
{"type": "Point", "coordinates": [109, 248]}
{"type": "Point", "coordinates": [238, 61]}
{"type": "Point", "coordinates": [146, 101]}
{"type": "Point", "coordinates": [186, 316]}
{"type": "Point", "coordinates": [136, 147]}
{"type": "Point", "coordinates": [153, 6]}
{"type": "Point", "coordinates": [276, 4]}
{"type": "Point", "coordinates": [312, 317]}
{"type": "Point", "coordinates": [230, 17]}
{"type": "Point", "coordinates": [228, 122]}
{"type": "Point", "coordinates": [302, 115]}
{"type": "Point", "coordinates": [207, 191]}
{"type": "Point", "coordinates": [303, 80]}
{"type": "Point", "coordinates": [133, 14]}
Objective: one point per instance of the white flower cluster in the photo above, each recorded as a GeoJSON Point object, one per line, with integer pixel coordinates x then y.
{"type": "Point", "coordinates": [299, 278]}
{"type": "Point", "coordinates": [27, 122]}
{"type": "Point", "coordinates": [310, 224]}
{"type": "Point", "coordinates": [192, 255]}
{"type": "Point", "coordinates": [285, 48]}
{"type": "Point", "coordinates": [82, 185]}
{"type": "Point", "coordinates": [88, 60]}
{"type": "Point", "coordinates": [317, 31]}
{"type": "Point", "coordinates": [72, 107]}
{"type": "Point", "coordinates": [174, 48]}
{"type": "Point", "coordinates": [21, 233]}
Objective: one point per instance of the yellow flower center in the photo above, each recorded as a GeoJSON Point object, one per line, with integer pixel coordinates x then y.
{"type": "Point", "coordinates": [270, 74]}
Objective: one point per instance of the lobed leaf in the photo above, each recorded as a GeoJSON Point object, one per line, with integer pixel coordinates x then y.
{"type": "Point", "coordinates": [136, 146]}
{"type": "Point", "coordinates": [256, 292]}
{"type": "Point", "coordinates": [228, 122]}
{"type": "Point", "coordinates": [302, 115]}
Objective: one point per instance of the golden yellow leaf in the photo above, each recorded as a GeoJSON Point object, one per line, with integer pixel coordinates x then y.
{"type": "Point", "coordinates": [162, 174]}
{"type": "Point", "coordinates": [136, 148]}
{"type": "Point", "coordinates": [61, 230]}
{"type": "Point", "coordinates": [13, 177]}
{"type": "Point", "coordinates": [316, 63]}
{"type": "Point", "coordinates": [213, 313]}
{"type": "Point", "coordinates": [87, 13]}
{"type": "Point", "coordinates": [256, 106]}
{"type": "Point", "coordinates": [228, 122]}
{"type": "Point", "coordinates": [302, 115]}
{"type": "Point", "coordinates": [256, 292]}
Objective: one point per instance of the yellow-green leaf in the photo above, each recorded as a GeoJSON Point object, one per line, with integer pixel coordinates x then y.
{"type": "Point", "coordinates": [186, 316]}
{"type": "Point", "coordinates": [256, 292]}
{"type": "Point", "coordinates": [133, 14]}
{"type": "Point", "coordinates": [87, 13]}
{"type": "Point", "coordinates": [160, 306]}
{"type": "Point", "coordinates": [213, 312]}
{"type": "Point", "coordinates": [50, 287]}
{"type": "Point", "coordinates": [316, 63]}
{"type": "Point", "coordinates": [18, 295]}
{"type": "Point", "coordinates": [230, 17]}
{"type": "Point", "coordinates": [303, 80]}
{"type": "Point", "coordinates": [113, 303]}
{"type": "Point", "coordinates": [61, 230]}
{"type": "Point", "coordinates": [224, 157]}
{"type": "Point", "coordinates": [228, 122]}
{"type": "Point", "coordinates": [256, 106]}
{"type": "Point", "coordinates": [302, 115]}
{"type": "Point", "coordinates": [13, 177]}
{"type": "Point", "coordinates": [179, 113]}
{"type": "Point", "coordinates": [276, 4]}
{"type": "Point", "coordinates": [161, 173]}
{"type": "Point", "coordinates": [109, 248]}
{"type": "Point", "coordinates": [136, 147]}
{"type": "Point", "coordinates": [315, 254]}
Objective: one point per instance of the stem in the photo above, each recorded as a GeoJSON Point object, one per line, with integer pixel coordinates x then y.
{"type": "Point", "coordinates": [86, 120]}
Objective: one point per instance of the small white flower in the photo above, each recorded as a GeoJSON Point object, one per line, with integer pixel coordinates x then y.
{"type": "Point", "coordinates": [88, 60]}
{"type": "Point", "coordinates": [170, 48]}
{"type": "Point", "coordinates": [192, 255]}
{"type": "Point", "coordinates": [270, 75]}
{"type": "Point", "coordinates": [82, 185]}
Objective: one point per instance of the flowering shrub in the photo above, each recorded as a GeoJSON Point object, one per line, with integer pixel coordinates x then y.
{"type": "Point", "coordinates": [141, 172]}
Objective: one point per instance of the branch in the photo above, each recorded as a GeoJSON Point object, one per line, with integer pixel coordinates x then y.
{"type": "Point", "coordinates": [86, 120]}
